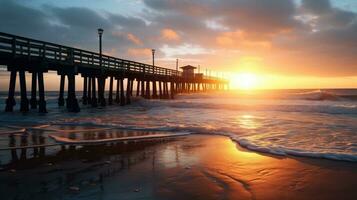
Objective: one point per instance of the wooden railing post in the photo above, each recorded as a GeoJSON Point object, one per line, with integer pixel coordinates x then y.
{"type": "Point", "coordinates": [13, 46]}
{"type": "Point", "coordinates": [70, 55]}
{"type": "Point", "coordinates": [60, 54]}
{"type": "Point", "coordinates": [44, 51]}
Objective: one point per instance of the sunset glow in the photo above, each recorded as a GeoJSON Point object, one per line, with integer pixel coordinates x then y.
{"type": "Point", "coordinates": [244, 81]}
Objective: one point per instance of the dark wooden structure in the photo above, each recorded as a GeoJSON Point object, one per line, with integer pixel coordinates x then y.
{"type": "Point", "coordinates": [24, 55]}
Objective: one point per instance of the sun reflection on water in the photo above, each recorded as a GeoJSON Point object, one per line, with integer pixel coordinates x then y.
{"type": "Point", "coordinates": [248, 122]}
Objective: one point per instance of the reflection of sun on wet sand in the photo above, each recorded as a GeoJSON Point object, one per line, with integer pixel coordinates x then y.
{"type": "Point", "coordinates": [95, 138]}
{"type": "Point", "coordinates": [191, 167]}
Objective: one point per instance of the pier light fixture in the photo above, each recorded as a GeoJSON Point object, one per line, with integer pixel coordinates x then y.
{"type": "Point", "coordinates": [153, 57]}
{"type": "Point", "coordinates": [100, 31]}
{"type": "Point", "coordinates": [176, 67]}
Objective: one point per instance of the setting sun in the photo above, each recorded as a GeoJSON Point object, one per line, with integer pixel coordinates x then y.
{"type": "Point", "coordinates": [245, 81]}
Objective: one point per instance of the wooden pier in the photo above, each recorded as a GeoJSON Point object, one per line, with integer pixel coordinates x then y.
{"type": "Point", "coordinates": [24, 55]}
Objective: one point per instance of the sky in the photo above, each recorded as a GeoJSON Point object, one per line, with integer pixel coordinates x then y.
{"type": "Point", "coordinates": [254, 43]}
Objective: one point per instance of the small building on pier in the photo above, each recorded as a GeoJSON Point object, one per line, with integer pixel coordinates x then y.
{"type": "Point", "coordinates": [188, 71]}
{"type": "Point", "coordinates": [199, 76]}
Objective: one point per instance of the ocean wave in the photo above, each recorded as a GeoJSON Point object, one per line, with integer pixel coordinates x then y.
{"type": "Point", "coordinates": [339, 108]}
{"type": "Point", "coordinates": [317, 95]}
{"type": "Point", "coordinates": [283, 151]}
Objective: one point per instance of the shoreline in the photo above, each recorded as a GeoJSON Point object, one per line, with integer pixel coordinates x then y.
{"type": "Point", "coordinates": [290, 153]}
{"type": "Point", "coordinates": [197, 166]}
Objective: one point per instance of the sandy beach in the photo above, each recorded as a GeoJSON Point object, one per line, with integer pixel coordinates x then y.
{"type": "Point", "coordinates": [189, 167]}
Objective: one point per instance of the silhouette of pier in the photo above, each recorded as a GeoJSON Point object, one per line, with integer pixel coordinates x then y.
{"type": "Point", "coordinates": [24, 55]}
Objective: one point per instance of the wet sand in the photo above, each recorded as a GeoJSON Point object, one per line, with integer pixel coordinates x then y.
{"type": "Point", "coordinates": [190, 167]}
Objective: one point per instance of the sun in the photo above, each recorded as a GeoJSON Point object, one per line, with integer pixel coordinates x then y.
{"type": "Point", "coordinates": [245, 81]}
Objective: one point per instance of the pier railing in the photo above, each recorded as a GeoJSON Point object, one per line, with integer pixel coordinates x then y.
{"type": "Point", "coordinates": [32, 49]}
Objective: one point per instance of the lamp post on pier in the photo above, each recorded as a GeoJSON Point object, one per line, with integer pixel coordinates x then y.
{"type": "Point", "coordinates": [153, 57]}
{"type": "Point", "coordinates": [100, 33]}
{"type": "Point", "coordinates": [101, 80]}
{"type": "Point", "coordinates": [176, 66]}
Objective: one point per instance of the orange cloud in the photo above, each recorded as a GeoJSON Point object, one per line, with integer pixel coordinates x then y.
{"type": "Point", "coordinates": [129, 36]}
{"type": "Point", "coordinates": [134, 39]}
{"type": "Point", "coordinates": [169, 34]}
{"type": "Point", "coordinates": [139, 52]}
{"type": "Point", "coordinates": [241, 39]}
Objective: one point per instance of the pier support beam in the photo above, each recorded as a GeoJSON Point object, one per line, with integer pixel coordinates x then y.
{"type": "Point", "coordinates": [117, 93]}
{"type": "Point", "coordinates": [41, 93]}
{"type": "Point", "coordinates": [166, 90]}
{"type": "Point", "coordinates": [172, 92]}
{"type": "Point", "coordinates": [137, 87]}
{"type": "Point", "coordinates": [33, 100]}
{"type": "Point", "coordinates": [94, 100]}
{"type": "Point", "coordinates": [85, 97]}
{"type": "Point", "coordinates": [89, 86]}
{"type": "Point", "coordinates": [61, 92]}
{"type": "Point", "coordinates": [154, 92]}
{"type": "Point", "coordinates": [147, 95]}
{"type": "Point", "coordinates": [110, 98]}
{"type": "Point", "coordinates": [178, 87]}
{"type": "Point", "coordinates": [131, 87]}
{"type": "Point", "coordinates": [122, 96]}
{"type": "Point", "coordinates": [142, 88]}
{"type": "Point", "coordinates": [128, 88]}
{"type": "Point", "coordinates": [101, 87]}
{"type": "Point", "coordinates": [72, 102]}
{"type": "Point", "coordinates": [24, 106]}
{"type": "Point", "coordinates": [160, 90]}
{"type": "Point", "coordinates": [10, 101]}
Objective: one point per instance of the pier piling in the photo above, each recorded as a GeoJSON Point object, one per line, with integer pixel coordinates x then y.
{"type": "Point", "coordinates": [85, 87]}
{"type": "Point", "coordinates": [128, 88]}
{"type": "Point", "coordinates": [94, 93]}
{"type": "Point", "coordinates": [160, 90]}
{"type": "Point", "coordinates": [72, 102]}
{"type": "Point", "coordinates": [89, 86]}
{"type": "Point", "coordinates": [33, 100]}
{"type": "Point", "coordinates": [61, 92]}
{"type": "Point", "coordinates": [110, 98]}
{"type": "Point", "coordinates": [122, 96]}
{"type": "Point", "coordinates": [147, 95]}
{"type": "Point", "coordinates": [24, 105]}
{"type": "Point", "coordinates": [41, 93]}
{"type": "Point", "coordinates": [137, 87]}
{"type": "Point", "coordinates": [10, 101]}
{"type": "Point", "coordinates": [117, 93]}
{"type": "Point", "coordinates": [154, 92]}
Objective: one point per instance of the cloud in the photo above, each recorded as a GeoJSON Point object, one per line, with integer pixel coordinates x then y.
{"type": "Point", "coordinates": [134, 52]}
{"type": "Point", "coordinates": [185, 49]}
{"type": "Point", "coordinates": [129, 36]}
{"type": "Point", "coordinates": [327, 16]}
{"type": "Point", "coordinates": [134, 39]}
{"type": "Point", "coordinates": [169, 34]}
{"type": "Point", "coordinates": [317, 6]}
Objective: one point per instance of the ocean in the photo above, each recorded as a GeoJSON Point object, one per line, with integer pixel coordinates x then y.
{"type": "Point", "coordinates": [311, 123]}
